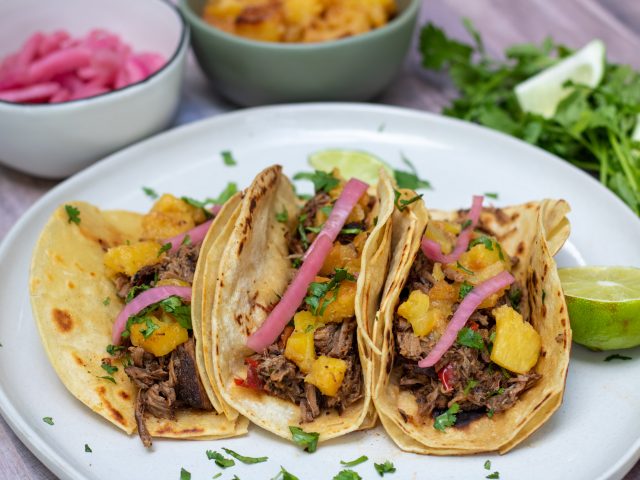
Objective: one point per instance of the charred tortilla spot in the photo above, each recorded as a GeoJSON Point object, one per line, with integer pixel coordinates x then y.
{"type": "Point", "coordinates": [58, 258]}
{"type": "Point", "coordinates": [93, 274]}
{"type": "Point", "coordinates": [169, 428]}
{"type": "Point", "coordinates": [544, 310]}
{"type": "Point", "coordinates": [241, 245]}
{"type": "Point", "coordinates": [501, 217]}
{"type": "Point", "coordinates": [78, 360]}
{"type": "Point", "coordinates": [563, 322]}
{"type": "Point", "coordinates": [515, 216]}
{"type": "Point", "coordinates": [238, 319]}
{"type": "Point", "coordinates": [520, 249]}
{"type": "Point", "coordinates": [63, 320]}
{"type": "Point", "coordinates": [71, 285]}
{"type": "Point", "coordinates": [404, 416]}
{"type": "Point", "coordinates": [561, 309]}
{"type": "Point", "coordinates": [124, 395]}
{"type": "Point", "coordinates": [546, 269]}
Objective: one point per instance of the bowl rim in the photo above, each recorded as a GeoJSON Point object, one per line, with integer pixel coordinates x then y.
{"type": "Point", "coordinates": [396, 23]}
{"type": "Point", "coordinates": [182, 46]}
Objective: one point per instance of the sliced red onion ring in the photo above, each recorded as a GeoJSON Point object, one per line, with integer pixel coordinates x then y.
{"type": "Point", "coordinates": [466, 308]}
{"type": "Point", "coordinates": [311, 265]}
{"type": "Point", "coordinates": [142, 301]}
{"type": "Point", "coordinates": [196, 235]}
{"type": "Point", "coordinates": [432, 249]}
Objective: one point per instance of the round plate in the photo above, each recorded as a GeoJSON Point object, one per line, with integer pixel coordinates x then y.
{"type": "Point", "coordinates": [459, 159]}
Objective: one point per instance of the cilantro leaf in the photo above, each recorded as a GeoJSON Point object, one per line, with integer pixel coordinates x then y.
{"type": "Point", "coordinates": [447, 419]}
{"type": "Point", "coordinates": [487, 465]}
{"type": "Point", "coordinates": [151, 327]}
{"type": "Point", "coordinates": [73, 214]}
{"type": "Point", "coordinates": [106, 301]}
{"type": "Point", "coordinates": [164, 248]}
{"type": "Point", "coordinates": [465, 289]}
{"type": "Point", "coordinates": [410, 179]}
{"type": "Point", "coordinates": [110, 369]}
{"type": "Point", "coordinates": [184, 474]}
{"type": "Point", "coordinates": [114, 349]}
{"type": "Point", "coordinates": [178, 309]}
{"type": "Point", "coordinates": [150, 192]}
{"type": "Point", "coordinates": [87, 448]}
{"type": "Point", "coordinates": [227, 158]}
{"type": "Point", "coordinates": [515, 295]}
{"type": "Point", "coordinates": [217, 475]}
{"type": "Point", "coordinates": [108, 377]}
{"type": "Point", "coordinates": [283, 216]}
{"type": "Point", "coordinates": [48, 420]}
{"type": "Point", "coordinates": [284, 475]}
{"type": "Point", "coordinates": [470, 338]}
{"type": "Point", "coordinates": [220, 459]}
{"type": "Point", "coordinates": [386, 467]}
{"type": "Point", "coordinates": [493, 195]}
{"type": "Point", "coordinates": [401, 203]}
{"type": "Point", "coordinates": [322, 181]}
{"type": "Point", "coordinates": [307, 440]}
{"type": "Point", "coordinates": [469, 386]}
{"type": "Point", "coordinates": [464, 269]}
{"type": "Point", "coordinates": [490, 412]}
{"type": "Point", "coordinates": [133, 291]}
{"type": "Point", "coordinates": [243, 459]}
{"type": "Point", "coordinates": [318, 298]}
{"type": "Point", "coordinates": [347, 475]}
{"type": "Point", "coordinates": [355, 462]}
{"type": "Point", "coordinates": [493, 475]}
{"type": "Point", "coordinates": [617, 356]}
{"type": "Point", "coordinates": [484, 240]}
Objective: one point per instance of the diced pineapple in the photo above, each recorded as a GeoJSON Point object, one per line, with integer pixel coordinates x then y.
{"type": "Point", "coordinates": [359, 241]}
{"type": "Point", "coordinates": [517, 344]}
{"type": "Point", "coordinates": [301, 350]}
{"type": "Point", "coordinates": [415, 309]}
{"type": "Point", "coordinates": [437, 273]}
{"type": "Point", "coordinates": [302, 12]}
{"type": "Point", "coordinates": [172, 282]}
{"type": "Point", "coordinates": [161, 341]}
{"type": "Point", "coordinates": [327, 374]}
{"type": "Point", "coordinates": [128, 259]}
{"type": "Point", "coordinates": [338, 257]}
{"type": "Point", "coordinates": [356, 215]}
{"type": "Point", "coordinates": [170, 216]}
{"type": "Point", "coordinates": [304, 321]}
{"type": "Point", "coordinates": [479, 257]}
{"type": "Point", "coordinates": [343, 306]}
{"type": "Point", "coordinates": [443, 292]}
{"type": "Point", "coordinates": [441, 233]}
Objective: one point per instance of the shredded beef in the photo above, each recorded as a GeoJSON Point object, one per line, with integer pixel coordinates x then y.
{"type": "Point", "coordinates": [142, 426]}
{"type": "Point", "coordinates": [420, 277]}
{"type": "Point", "coordinates": [309, 406]}
{"type": "Point", "coordinates": [409, 345]}
{"type": "Point", "coordinates": [281, 377]}
{"type": "Point", "coordinates": [297, 247]}
{"type": "Point", "coordinates": [335, 340]}
{"type": "Point", "coordinates": [189, 389]}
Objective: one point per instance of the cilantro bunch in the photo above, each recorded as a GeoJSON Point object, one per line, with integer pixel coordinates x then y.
{"type": "Point", "coordinates": [591, 127]}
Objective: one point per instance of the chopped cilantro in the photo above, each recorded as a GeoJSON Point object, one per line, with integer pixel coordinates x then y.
{"type": "Point", "coordinates": [499, 391]}
{"type": "Point", "coordinates": [217, 475]}
{"type": "Point", "coordinates": [48, 420]}
{"type": "Point", "coordinates": [616, 356]}
{"type": "Point", "coordinates": [73, 214]}
{"type": "Point", "coordinates": [465, 289]}
{"type": "Point", "coordinates": [227, 158]}
{"type": "Point", "coordinates": [347, 475]}
{"type": "Point", "coordinates": [134, 291]}
{"type": "Point", "coordinates": [106, 301]}
{"type": "Point", "coordinates": [296, 262]}
{"type": "Point", "coordinates": [243, 459]}
{"type": "Point", "coordinates": [175, 306]}
{"type": "Point", "coordinates": [409, 179]}
{"type": "Point", "coordinates": [515, 295]}
{"type": "Point", "coordinates": [470, 385]}
{"type": "Point", "coordinates": [302, 231]}
{"type": "Point", "coordinates": [87, 448]}
{"type": "Point", "coordinates": [487, 465]}
{"type": "Point", "coordinates": [386, 467]}
{"type": "Point", "coordinates": [470, 338]}
{"type": "Point", "coordinates": [235, 477]}
{"type": "Point", "coordinates": [484, 240]}
{"type": "Point", "coordinates": [284, 475]}
{"type": "Point", "coordinates": [466, 224]}
{"type": "Point", "coordinates": [307, 440]}
{"type": "Point", "coordinates": [150, 192]}
{"type": "Point", "coordinates": [110, 369]}
{"type": "Point", "coordinates": [283, 216]}
{"type": "Point", "coordinates": [184, 474]}
{"type": "Point", "coordinates": [493, 475]}
{"type": "Point", "coordinates": [164, 248]}
{"type": "Point", "coordinates": [355, 462]}
{"type": "Point", "coordinates": [493, 195]}
{"type": "Point", "coordinates": [318, 291]}
{"type": "Point", "coordinates": [464, 269]}
{"type": "Point", "coordinates": [401, 203]}
{"type": "Point", "coordinates": [327, 209]}
{"type": "Point", "coordinates": [220, 459]}
{"type": "Point", "coordinates": [108, 377]}
{"type": "Point", "coordinates": [151, 327]}
{"type": "Point", "coordinates": [490, 412]}
{"type": "Point", "coordinates": [447, 419]}
{"type": "Point", "coordinates": [500, 253]}
{"type": "Point", "coordinates": [322, 181]}
{"type": "Point", "coordinates": [544, 295]}
{"type": "Point", "coordinates": [186, 240]}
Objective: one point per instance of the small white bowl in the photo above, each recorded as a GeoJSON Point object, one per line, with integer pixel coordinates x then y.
{"type": "Point", "coordinates": [57, 140]}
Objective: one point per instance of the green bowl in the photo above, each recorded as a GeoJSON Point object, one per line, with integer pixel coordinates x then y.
{"type": "Point", "coordinates": [250, 72]}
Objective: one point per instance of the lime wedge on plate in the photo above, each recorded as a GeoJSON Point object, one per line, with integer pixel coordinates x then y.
{"type": "Point", "coordinates": [604, 305]}
{"type": "Point", "coordinates": [543, 92]}
{"type": "Point", "coordinates": [351, 163]}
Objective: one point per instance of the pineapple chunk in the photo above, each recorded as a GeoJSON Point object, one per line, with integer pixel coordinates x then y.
{"type": "Point", "coordinates": [517, 344]}
{"type": "Point", "coordinates": [443, 233]}
{"type": "Point", "coordinates": [172, 282]}
{"type": "Point", "coordinates": [344, 306]}
{"type": "Point", "coordinates": [163, 340]}
{"type": "Point", "coordinates": [170, 216]}
{"type": "Point", "coordinates": [327, 374]}
{"type": "Point", "coordinates": [128, 259]}
{"type": "Point", "coordinates": [304, 321]}
{"type": "Point", "coordinates": [416, 311]}
{"type": "Point", "coordinates": [437, 273]}
{"type": "Point", "coordinates": [338, 257]}
{"type": "Point", "coordinates": [443, 292]}
{"type": "Point", "coordinates": [301, 350]}
{"type": "Point", "coordinates": [480, 257]}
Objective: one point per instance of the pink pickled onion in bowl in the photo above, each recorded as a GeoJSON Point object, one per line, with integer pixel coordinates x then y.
{"type": "Point", "coordinates": [311, 265]}
{"type": "Point", "coordinates": [432, 249]}
{"type": "Point", "coordinates": [142, 301]}
{"type": "Point", "coordinates": [466, 308]}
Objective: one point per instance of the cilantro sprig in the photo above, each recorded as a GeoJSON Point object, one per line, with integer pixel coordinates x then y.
{"type": "Point", "coordinates": [386, 467]}
{"type": "Point", "coordinates": [447, 419]}
{"type": "Point", "coordinates": [307, 440]}
{"type": "Point", "coordinates": [73, 214]}
{"type": "Point", "coordinates": [410, 179]}
{"type": "Point", "coordinates": [322, 181]}
{"type": "Point", "coordinates": [318, 298]}
{"type": "Point", "coordinates": [244, 459]}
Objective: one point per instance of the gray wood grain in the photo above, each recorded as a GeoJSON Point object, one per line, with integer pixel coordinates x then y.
{"type": "Point", "coordinates": [501, 22]}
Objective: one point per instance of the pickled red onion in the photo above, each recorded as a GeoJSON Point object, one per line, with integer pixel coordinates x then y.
{"type": "Point", "coordinates": [466, 308]}
{"type": "Point", "coordinates": [196, 235]}
{"type": "Point", "coordinates": [431, 248]}
{"type": "Point", "coordinates": [142, 301]}
{"type": "Point", "coordinates": [311, 265]}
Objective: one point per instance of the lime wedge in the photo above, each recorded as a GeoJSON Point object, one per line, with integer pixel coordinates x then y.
{"type": "Point", "coordinates": [351, 163]}
{"type": "Point", "coordinates": [543, 92]}
{"type": "Point", "coordinates": [604, 305]}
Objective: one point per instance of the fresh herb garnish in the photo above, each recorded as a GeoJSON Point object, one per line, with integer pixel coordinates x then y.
{"type": "Point", "coordinates": [186, 240]}
{"type": "Point", "coordinates": [48, 420]}
{"type": "Point", "coordinates": [463, 268]}
{"type": "Point", "coordinates": [227, 158]}
{"type": "Point", "coordinates": [447, 419]}
{"type": "Point", "coordinates": [220, 459]}
{"type": "Point", "coordinates": [217, 475]}
{"type": "Point", "coordinates": [500, 253]}
{"type": "Point", "coordinates": [470, 385]}
{"type": "Point", "coordinates": [150, 192]}
{"type": "Point", "coordinates": [322, 181]}
{"type": "Point", "coordinates": [318, 298]}
{"type": "Point", "coordinates": [108, 377]}
{"type": "Point", "coordinates": [87, 448]}
{"type": "Point", "coordinates": [409, 179]}
{"type": "Point", "coordinates": [493, 475]}
{"type": "Point", "coordinates": [470, 338]}
{"type": "Point", "coordinates": [491, 195]}
{"type": "Point", "coordinates": [133, 291]}
{"type": "Point", "coordinates": [243, 459]}
{"type": "Point", "coordinates": [106, 301]}
{"type": "Point", "coordinates": [355, 462]}
{"type": "Point", "coordinates": [617, 356]}
{"type": "Point", "coordinates": [465, 288]}
{"type": "Point", "coordinates": [283, 216]}
{"type": "Point", "coordinates": [151, 327]}
{"type": "Point", "coordinates": [487, 465]}
{"type": "Point", "coordinates": [515, 295]}
{"type": "Point", "coordinates": [73, 214]}
{"type": "Point", "coordinates": [484, 240]}
{"type": "Point", "coordinates": [497, 392]}
{"type": "Point", "coordinates": [490, 412]}
{"type": "Point", "coordinates": [350, 231]}
{"type": "Point", "coordinates": [184, 474]}
{"type": "Point", "coordinates": [347, 475]}
{"type": "Point", "coordinates": [544, 295]}
{"type": "Point", "coordinates": [302, 231]}
{"type": "Point", "coordinates": [284, 475]}
{"type": "Point", "coordinates": [401, 203]}
{"type": "Point", "coordinates": [386, 467]}
{"type": "Point", "coordinates": [175, 306]}
{"type": "Point", "coordinates": [307, 440]}
{"type": "Point", "coordinates": [110, 369]}
{"type": "Point", "coordinates": [466, 224]}
{"type": "Point", "coordinates": [164, 248]}
{"type": "Point", "coordinates": [229, 191]}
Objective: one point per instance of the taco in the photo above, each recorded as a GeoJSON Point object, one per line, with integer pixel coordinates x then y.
{"type": "Point", "coordinates": [293, 287]}
{"type": "Point", "coordinates": [476, 339]}
{"type": "Point", "coordinates": [111, 293]}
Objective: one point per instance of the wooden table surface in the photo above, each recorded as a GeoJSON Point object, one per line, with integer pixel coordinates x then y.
{"type": "Point", "coordinates": [501, 22]}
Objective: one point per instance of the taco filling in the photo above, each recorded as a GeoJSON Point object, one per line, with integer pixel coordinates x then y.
{"type": "Point", "coordinates": [314, 362]}
{"type": "Point", "coordinates": [155, 341]}
{"type": "Point", "coordinates": [464, 347]}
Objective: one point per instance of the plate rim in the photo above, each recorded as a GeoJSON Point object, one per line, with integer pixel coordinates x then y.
{"type": "Point", "coordinates": [62, 467]}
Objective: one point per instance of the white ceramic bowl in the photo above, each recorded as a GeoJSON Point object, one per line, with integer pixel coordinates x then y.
{"type": "Point", "coordinates": [56, 140]}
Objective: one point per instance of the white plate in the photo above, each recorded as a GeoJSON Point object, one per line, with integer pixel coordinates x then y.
{"type": "Point", "coordinates": [596, 433]}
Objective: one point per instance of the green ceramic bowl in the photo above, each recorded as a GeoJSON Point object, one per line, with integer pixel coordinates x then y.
{"type": "Point", "coordinates": [251, 72]}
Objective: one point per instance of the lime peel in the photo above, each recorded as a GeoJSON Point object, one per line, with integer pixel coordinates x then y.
{"type": "Point", "coordinates": [351, 163]}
